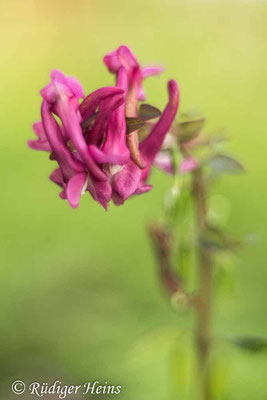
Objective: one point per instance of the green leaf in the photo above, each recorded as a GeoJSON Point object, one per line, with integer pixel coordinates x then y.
{"type": "Point", "coordinates": [154, 344]}
{"type": "Point", "coordinates": [182, 369]}
{"type": "Point", "coordinates": [52, 157]}
{"type": "Point", "coordinates": [190, 125]}
{"type": "Point", "coordinates": [220, 371]}
{"type": "Point", "coordinates": [221, 163]}
{"type": "Point", "coordinates": [190, 130]}
{"type": "Point", "coordinates": [147, 112]}
{"type": "Point", "coordinates": [87, 123]}
{"type": "Point", "coordinates": [215, 239]}
{"type": "Point", "coordinates": [251, 343]}
{"type": "Point", "coordinates": [133, 124]}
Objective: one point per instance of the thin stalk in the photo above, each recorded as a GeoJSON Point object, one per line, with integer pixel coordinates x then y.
{"type": "Point", "coordinates": [203, 304]}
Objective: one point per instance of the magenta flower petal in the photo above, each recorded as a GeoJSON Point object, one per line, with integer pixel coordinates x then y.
{"type": "Point", "coordinates": [143, 189]}
{"type": "Point", "coordinates": [115, 150]}
{"type": "Point", "coordinates": [125, 182]}
{"type": "Point", "coordinates": [62, 95]}
{"type": "Point", "coordinates": [91, 102]}
{"type": "Point", "coordinates": [75, 187]}
{"type": "Point", "coordinates": [39, 130]}
{"type": "Point", "coordinates": [73, 129]}
{"type": "Point", "coordinates": [122, 57]}
{"type": "Point", "coordinates": [62, 195]}
{"type": "Point", "coordinates": [151, 71]}
{"type": "Point", "coordinates": [70, 81]}
{"type": "Point", "coordinates": [98, 129]}
{"type": "Point", "coordinates": [57, 177]}
{"type": "Point", "coordinates": [41, 143]}
{"type": "Point", "coordinates": [100, 191]}
{"type": "Point", "coordinates": [102, 158]}
{"type": "Point", "coordinates": [152, 144]}
{"type": "Point", "coordinates": [69, 165]}
{"type": "Point", "coordinates": [60, 86]}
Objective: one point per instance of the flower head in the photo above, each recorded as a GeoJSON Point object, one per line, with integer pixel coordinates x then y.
{"type": "Point", "coordinates": [89, 140]}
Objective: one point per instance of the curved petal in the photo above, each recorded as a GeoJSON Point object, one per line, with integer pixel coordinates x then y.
{"type": "Point", "coordinates": [125, 182]}
{"type": "Point", "coordinates": [75, 187]}
{"type": "Point", "coordinates": [122, 57]}
{"type": "Point", "coordinates": [91, 102]}
{"type": "Point", "coordinates": [153, 142]}
{"type": "Point", "coordinates": [100, 191]}
{"type": "Point", "coordinates": [102, 157]}
{"type": "Point", "coordinates": [97, 131]}
{"type": "Point", "coordinates": [143, 189]}
{"type": "Point", "coordinates": [151, 71]}
{"type": "Point", "coordinates": [69, 165]}
{"type": "Point", "coordinates": [127, 58]}
{"type": "Point", "coordinates": [57, 177]}
{"type": "Point", "coordinates": [39, 130]}
{"type": "Point", "coordinates": [115, 148]}
{"type": "Point", "coordinates": [61, 86]}
{"type": "Point", "coordinates": [39, 145]}
{"type": "Point", "coordinates": [70, 121]}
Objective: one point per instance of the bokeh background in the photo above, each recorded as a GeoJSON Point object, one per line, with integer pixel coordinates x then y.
{"type": "Point", "coordinates": [79, 297]}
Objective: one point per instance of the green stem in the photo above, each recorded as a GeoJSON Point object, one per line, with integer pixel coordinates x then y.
{"type": "Point", "coordinates": [204, 299]}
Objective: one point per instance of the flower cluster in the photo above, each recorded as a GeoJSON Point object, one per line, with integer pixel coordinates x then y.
{"type": "Point", "coordinates": [89, 141]}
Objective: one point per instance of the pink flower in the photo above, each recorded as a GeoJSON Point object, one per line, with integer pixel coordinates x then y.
{"type": "Point", "coordinates": [89, 140]}
{"type": "Point", "coordinates": [187, 165]}
{"type": "Point", "coordinates": [123, 57]}
{"type": "Point", "coordinates": [163, 161]}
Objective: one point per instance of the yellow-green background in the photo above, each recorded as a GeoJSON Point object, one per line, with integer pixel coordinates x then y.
{"type": "Point", "coordinates": [78, 287]}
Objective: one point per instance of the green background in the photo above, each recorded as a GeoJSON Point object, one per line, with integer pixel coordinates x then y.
{"type": "Point", "coordinates": [79, 297]}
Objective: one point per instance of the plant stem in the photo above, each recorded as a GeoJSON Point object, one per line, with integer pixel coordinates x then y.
{"type": "Point", "coordinates": [204, 298]}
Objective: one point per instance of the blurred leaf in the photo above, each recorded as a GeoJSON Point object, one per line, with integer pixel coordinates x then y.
{"type": "Point", "coordinates": [147, 112]}
{"type": "Point", "coordinates": [52, 156]}
{"type": "Point", "coordinates": [133, 124]}
{"type": "Point", "coordinates": [215, 239]}
{"type": "Point", "coordinates": [217, 138]}
{"type": "Point", "coordinates": [220, 374]}
{"type": "Point", "coordinates": [87, 123]}
{"type": "Point", "coordinates": [251, 343]}
{"type": "Point", "coordinates": [189, 126]}
{"type": "Point", "coordinates": [153, 344]}
{"type": "Point", "coordinates": [176, 202]}
{"type": "Point", "coordinates": [218, 211]}
{"type": "Point", "coordinates": [224, 275]}
{"type": "Point", "coordinates": [184, 260]}
{"type": "Point", "coordinates": [221, 163]}
{"type": "Point", "coordinates": [182, 369]}
{"type": "Point", "coordinates": [145, 130]}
